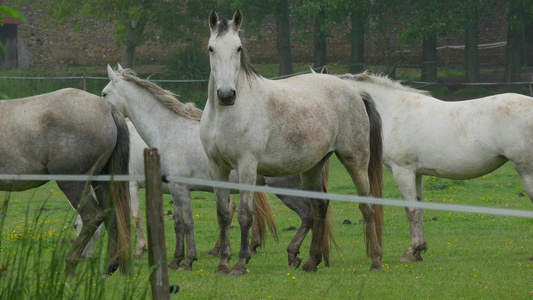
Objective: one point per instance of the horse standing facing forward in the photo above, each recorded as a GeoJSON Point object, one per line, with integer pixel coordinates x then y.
{"type": "Point", "coordinates": [72, 132]}
{"type": "Point", "coordinates": [281, 128]}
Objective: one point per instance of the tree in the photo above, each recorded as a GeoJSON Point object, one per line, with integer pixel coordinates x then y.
{"type": "Point", "coordinates": [426, 20]}
{"type": "Point", "coordinates": [520, 16]}
{"type": "Point", "coordinates": [325, 14]}
{"type": "Point", "coordinates": [257, 11]}
{"type": "Point", "coordinates": [466, 15]}
{"type": "Point", "coordinates": [131, 19]}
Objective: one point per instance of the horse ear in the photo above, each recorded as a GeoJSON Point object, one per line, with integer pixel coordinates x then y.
{"type": "Point", "coordinates": [213, 20]}
{"type": "Point", "coordinates": [111, 74]}
{"type": "Point", "coordinates": [237, 19]}
{"type": "Point", "coordinates": [119, 67]}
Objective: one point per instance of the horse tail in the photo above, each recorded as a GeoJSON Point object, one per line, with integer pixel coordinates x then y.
{"type": "Point", "coordinates": [328, 238]}
{"type": "Point", "coordinates": [119, 164]}
{"type": "Point", "coordinates": [375, 168]}
{"type": "Point", "coordinates": [264, 216]}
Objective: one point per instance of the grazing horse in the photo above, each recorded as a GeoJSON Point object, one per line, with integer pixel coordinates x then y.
{"type": "Point", "coordinates": [72, 132]}
{"type": "Point", "coordinates": [280, 128]}
{"type": "Point", "coordinates": [458, 140]}
{"type": "Point", "coordinates": [175, 132]}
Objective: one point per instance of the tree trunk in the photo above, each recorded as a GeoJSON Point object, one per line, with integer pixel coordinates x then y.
{"type": "Point", "coordinates": [514, 46]}
{"type": "Point", "coordinates": [283, 32]}
{"type": "Point", "coordinates": [128, 55]}
{"type": "Point", "coordinates": [135, 33]}
{"type": "Point", "coordinates": [528, 45]}
{"type": "Point", "coordinates": [357, 37]}
{"type": "Point", "coordinates": [320, 41]}
{"type": "Point", "coordinates": [471, 52]}
{"type": "Point", "coordinates": [429, 59]}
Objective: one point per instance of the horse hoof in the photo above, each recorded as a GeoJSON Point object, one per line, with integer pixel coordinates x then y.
{"type": "Point", "coordinates": [375, 267]}
{"type": "Point", "coordinates": [411, 257]}
{"type": "Point", "coordinates": [173, 265]}
{"type": "Point", "coordinates": [112, 268]}
{"type": "Point", "coordinates": [295, 263]}
{"type": "Point", "coordinates": [185, 267]}
{"type": "Point", "coordinates": [238, 269]}
{"type": "Point", "coordinates": [222, 270]}
{"type": "Point", "coordinates": [309, 267]}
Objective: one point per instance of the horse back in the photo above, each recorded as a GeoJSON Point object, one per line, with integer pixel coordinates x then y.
{"type": "Point", "coordinates": [64, 132]}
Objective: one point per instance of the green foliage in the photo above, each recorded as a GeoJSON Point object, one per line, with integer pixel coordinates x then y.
{"type": "Point", "coordinates": [190, 64]}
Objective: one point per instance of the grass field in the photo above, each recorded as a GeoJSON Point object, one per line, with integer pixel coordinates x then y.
{"type": "Point", "coordinates": [470, 255]}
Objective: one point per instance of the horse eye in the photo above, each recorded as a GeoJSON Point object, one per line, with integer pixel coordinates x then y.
{"type": "Point", "coordinates": [103, 95]}
{"type": "Point", "coordinates": [239, 49]}
{"type": "Point", "coordinates": [210, 49]}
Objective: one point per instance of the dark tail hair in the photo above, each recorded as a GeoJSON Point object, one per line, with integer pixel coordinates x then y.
{"type": "Point", "coordinates": [118, 165]}
{"type": "Point", "coordinates": [375, 168]}
{"type": "Point", "coordinates": [328, 239]}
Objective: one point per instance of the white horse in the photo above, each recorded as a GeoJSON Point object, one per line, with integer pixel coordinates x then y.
{"type": "Point", "coordinates": [423, 135]}
{"type": "Point", "coordinates": [71, 131]}
{"type": "Point", "coordinates": [175, 132]}
{"type": "Point", "coordinates": [285, 127]}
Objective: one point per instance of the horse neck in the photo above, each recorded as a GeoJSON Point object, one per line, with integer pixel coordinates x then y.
{"type": "Point", "coordinates": [154, 122]}
{"type": "Point", "coordinates": [385, 97]}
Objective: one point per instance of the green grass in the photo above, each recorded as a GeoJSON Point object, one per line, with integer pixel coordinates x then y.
{"type": "Point", "coordinates": [470, 255]}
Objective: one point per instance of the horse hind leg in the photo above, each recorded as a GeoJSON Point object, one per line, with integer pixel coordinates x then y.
{"type": "Point", "coordinates": [81, 197]}
{"type": "Point", "coordinates": [525, 170]}
{"type": "Point", "coordinates": [372, 214]}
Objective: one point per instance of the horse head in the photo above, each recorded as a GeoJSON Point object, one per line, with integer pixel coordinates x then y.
{"type": "Point", "coordinates": [225, 50]}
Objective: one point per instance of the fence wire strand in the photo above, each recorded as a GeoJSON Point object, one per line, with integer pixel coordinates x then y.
{"type": "Point", "coordinates": [280, 191]}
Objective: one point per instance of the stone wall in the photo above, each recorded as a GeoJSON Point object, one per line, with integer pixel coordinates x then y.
{"type": "Point", "coordinates": [59, 46]}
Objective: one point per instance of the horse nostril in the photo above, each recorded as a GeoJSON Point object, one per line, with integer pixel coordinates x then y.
{"type": "Point", "coordinates": [234, 93]}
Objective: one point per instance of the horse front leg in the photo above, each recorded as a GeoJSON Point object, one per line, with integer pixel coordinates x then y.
{"type": "Point", "coordinates": [410, 186]}
{"type": "Point", "coordinates": [184, 228]}
{"type": "Point", "coordinates": [247, 175]}
{"type": "Point", "coordinates": [216, 249]}
{"type": "Point", "coordinates": [223, 216]}
{"type": "Point", "coordinates": [136, 214]}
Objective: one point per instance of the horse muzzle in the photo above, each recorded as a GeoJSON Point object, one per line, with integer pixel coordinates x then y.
{"type": "Point", "coordinates": [226, 97]}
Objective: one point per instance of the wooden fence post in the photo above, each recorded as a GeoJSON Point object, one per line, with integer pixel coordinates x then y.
{"type": "Point", "coordinates": [157, 253]}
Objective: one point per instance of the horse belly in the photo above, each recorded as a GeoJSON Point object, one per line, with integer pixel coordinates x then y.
{"type": "Point", "coordinates": [18, 186]}
{"type": "Point", "coordinates": [461, 168]}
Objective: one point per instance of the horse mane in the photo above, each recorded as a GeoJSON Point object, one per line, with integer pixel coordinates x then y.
{"type": "Point", "coordinates": [382, 80]}
{"type": "Point", "coordinates": [246, 65]}
{"type": "Point", "coordinates": [167, 98]}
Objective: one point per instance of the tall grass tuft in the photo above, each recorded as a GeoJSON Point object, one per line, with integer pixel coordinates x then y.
{"type": "Point", "coordinates": [33, 251]}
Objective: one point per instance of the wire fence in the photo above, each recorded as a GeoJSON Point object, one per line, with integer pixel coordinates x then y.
{"type": "Point", "coordinates": [280, 191]}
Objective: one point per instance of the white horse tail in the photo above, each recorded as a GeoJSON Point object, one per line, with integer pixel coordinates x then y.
{"type": "Point", "coordinates": [375, 168]}
{"type": "Point", "coordinates": [119, 165]}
